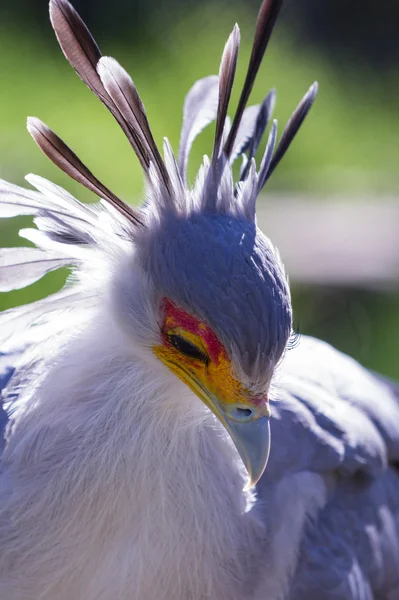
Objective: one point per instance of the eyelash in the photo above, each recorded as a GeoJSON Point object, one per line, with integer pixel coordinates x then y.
{"type": "Point", "coordinates": [192, 351]}
{"type": "Point", "coordinates": [293, 340]}
{"type": "Point", "coordinates": [187, 348]}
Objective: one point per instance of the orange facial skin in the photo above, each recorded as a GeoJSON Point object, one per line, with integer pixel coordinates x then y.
{"type": "Point", "coordinates": [214, 373]}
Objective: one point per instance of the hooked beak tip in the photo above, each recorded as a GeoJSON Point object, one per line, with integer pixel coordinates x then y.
{"type": "Point", "coordinates": [252, 440]}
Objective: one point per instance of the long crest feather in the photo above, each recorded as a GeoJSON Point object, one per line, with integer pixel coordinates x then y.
{"type": "Point", "coordinates": [227, 71]}
{"type": "Point", "coordinates": [292, 127]}
{"type": "Point", "coordinates": [226, 78]}
{"type": "Point", "coordinates": [82, 52]}
{"type": "Point", "coordinates": [262, 121]}
{"type": "Point", "coordinates": [200, 109]}
{"type": "Point", "coordinates": [66, 160]}
{"type": "Point", "coordinates": [123, 92]}
{"type": "Point", "coordinates": [264, 168]}
{"type": "Point", "coordinates": [78, 46]}
{"type": "Point", "coordinates": [267, 16]}
{"type": "Point", "coordinates": [245, 132]}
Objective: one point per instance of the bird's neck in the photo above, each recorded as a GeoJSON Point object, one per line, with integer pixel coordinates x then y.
{"type": "Point", "coordinates": [138, 463]}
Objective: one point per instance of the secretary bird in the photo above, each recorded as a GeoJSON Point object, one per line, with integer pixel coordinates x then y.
{"type": "Point", "coordinates": [138, 398]}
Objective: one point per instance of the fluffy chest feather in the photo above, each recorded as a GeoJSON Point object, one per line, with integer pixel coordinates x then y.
{"type": "Point", "coordinates": [115, 493]}
{"type": "Point", "coordinates": [169, 538]}
{"type": "Point", "coordinates": [133, 503]}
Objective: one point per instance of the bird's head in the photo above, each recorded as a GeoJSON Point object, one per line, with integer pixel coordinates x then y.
{"type": "Point", "coordinates": [223, 318]}
{"type": "Point", "coordinates": [211, 303]}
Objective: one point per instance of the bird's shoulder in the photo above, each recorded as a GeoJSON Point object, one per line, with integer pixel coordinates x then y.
{"type": "Point", "coordinates": [352, 553]}
{"type": "Point", "coordinates": [335, 413]}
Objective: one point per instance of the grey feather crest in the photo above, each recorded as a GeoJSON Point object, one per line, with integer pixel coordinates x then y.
{"type": "Point", "coordinates": [68, 228]}
{"type": "Point", "coordinates": [91, 238]}
{"type": "Point", "coordinates": [207, 100]}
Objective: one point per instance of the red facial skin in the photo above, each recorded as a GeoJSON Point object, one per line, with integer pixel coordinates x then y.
{"type": "Point", "coordinates": [175, 317]}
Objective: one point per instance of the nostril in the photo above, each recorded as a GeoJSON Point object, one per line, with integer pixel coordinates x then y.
{"type": "Point", "coordinates": [244, 412]}
{"type": "Point", "coordinates": [241, 413]}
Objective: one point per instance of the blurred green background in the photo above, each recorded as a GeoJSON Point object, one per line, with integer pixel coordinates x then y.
{"type": "Point", "coordinates": [347, 149]}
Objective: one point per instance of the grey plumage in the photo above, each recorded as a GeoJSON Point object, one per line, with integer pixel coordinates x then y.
{"type": "Point", "coordinates": [116, 480]}
{"type": "Point", "coordinates": [345, 423]}
{"type": "Point", "coordinates": [240, 272]}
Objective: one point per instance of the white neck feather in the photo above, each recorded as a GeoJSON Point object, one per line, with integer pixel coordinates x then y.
{"type": "Point", "coordinates": [118, 484]}
{"type": "Point", "coordinates": [137, 490]}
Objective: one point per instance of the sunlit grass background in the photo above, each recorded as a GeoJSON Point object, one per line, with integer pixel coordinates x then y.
{"type": "Point", "coordinates": [348, 146]}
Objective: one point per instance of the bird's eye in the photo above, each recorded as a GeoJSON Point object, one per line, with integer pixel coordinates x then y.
{"type": "Point", "coordinates": [187, 348]}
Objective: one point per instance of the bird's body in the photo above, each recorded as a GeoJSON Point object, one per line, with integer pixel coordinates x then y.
{"type": "Point", "coordinates": [141, 391]}
{"type": "Point", "coordinates": [324, 522]}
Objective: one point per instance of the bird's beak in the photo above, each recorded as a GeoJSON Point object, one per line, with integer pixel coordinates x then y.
{"type": "Point", "coordinates": [247, 422]}
{"type": "Point", "coordinates": [250, 434]}
{"type": "Point", "coordinates": [244, 416]}
{"type": "Point", "coordinates": [252, 441]}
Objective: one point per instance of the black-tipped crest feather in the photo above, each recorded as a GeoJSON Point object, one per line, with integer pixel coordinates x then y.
{"type": "Point", "coordinates": [292, 127]}
{"type": "Point", "coordinates": [66, 160]}
{"type": "Point", "coordinates": [63, 221]}
{"type": "Point", "coordinates": [114, 87]}
{"type": "Point", "coordinates": [82, 52]}
{"type": "Point", "coordinates": [123, 93]}
{"type": "Point", "coordinates": [77, 44]}
{"type": "Point", "coordinates": [264, 26]}
{"type": "Point", "coordinates": [226, 78]}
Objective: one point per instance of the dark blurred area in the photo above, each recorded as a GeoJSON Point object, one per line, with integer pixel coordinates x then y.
{"type": "Point", "coordinates": [346, 155]}
{"type": "Point", "coordinates": [346, 30]}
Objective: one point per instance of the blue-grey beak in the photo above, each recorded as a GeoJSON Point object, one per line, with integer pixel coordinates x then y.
{"type": "Point", "coordinates": [252, 440]}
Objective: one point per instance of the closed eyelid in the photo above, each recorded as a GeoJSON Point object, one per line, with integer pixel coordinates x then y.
{"type": "Point", "coordinates": [194, 330]}
{"type": "Point", "coordinates": [189, 336]}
